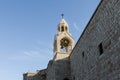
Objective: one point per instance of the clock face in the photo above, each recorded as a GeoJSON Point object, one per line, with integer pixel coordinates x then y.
{"type": "Point", "coordinates": [64, 42]}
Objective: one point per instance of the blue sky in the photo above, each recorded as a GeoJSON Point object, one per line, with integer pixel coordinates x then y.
{"type": "Point", "coordinates": [27, 29]}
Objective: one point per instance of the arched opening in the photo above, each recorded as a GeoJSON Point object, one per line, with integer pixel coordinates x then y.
{"type": "Point", "coordinates": [74, 78]}
{"type": "Point", "coordinates": [65, 79]}
{"type": "Point", "coordinates": [66, 28]}
{"type": "Point", "coordinates": [62, 28]}
{"type": "Point", "coordinates": [64, 43]}
{"type": "Point", "coordinates": [58, 28]}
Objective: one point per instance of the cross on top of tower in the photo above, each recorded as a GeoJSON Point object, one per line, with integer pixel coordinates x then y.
{"type": "Point", "coordinates": [62, 15]}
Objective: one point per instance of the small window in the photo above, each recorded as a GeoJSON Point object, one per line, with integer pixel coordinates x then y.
{"type": "Point", "coordinates": [65, 79]}
{"type": "Point", "coordinates": [62, 28]}
{"type": "Point", "coordinates": [66, 28]}
{"type": "Point", "coordinates": [74, 78]}
{"type": "Point", "coordinates": [58, 28]}
{"type": "Point", "coordinates": [83, 54]}
{"type": "Point", "coordinates": [100, 48]}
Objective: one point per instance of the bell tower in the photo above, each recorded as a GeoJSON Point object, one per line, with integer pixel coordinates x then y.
{"type": "Point", "coordinates": [63, 40]}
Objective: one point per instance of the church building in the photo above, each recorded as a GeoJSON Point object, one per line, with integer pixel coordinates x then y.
{"type": "Point", "coordinates": [95, 56]}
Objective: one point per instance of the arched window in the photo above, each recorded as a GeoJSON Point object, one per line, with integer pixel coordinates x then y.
{"type": "Point", "coordinates": [74, 78]}
{"type": "Point", "coordinates": [66, 28]}
{"type": "Point", "coordinates": [62, 28]}
{"type": "Point", "coordinates": [58, 28]}
{"type": "Point", "coordinates": [65, 79]}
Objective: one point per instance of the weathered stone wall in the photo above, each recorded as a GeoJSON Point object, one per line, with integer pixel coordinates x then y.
{"type": "Point", "coordinates": [39, 75]}
{"type": "Point", "coordinates": [58, 70]}
{"type": "Point", "coordinates": [62, 69]}
{"type": "Point", "coordinates": [61, 56]}
{"type": "Point", "coordinates": [28, 76]}
{"type": "Point", "coordinates": [50, 71]}
{"type": "Point", "coordinates": [96, 55]}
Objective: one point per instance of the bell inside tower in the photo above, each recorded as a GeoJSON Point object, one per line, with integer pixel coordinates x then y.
{"type": "Point", "coordinates": [63, 41]}
{"type": "Point", "coordinates": [65, 45]}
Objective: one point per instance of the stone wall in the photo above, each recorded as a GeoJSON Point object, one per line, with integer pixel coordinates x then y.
{"type": "Point", "coordinates": [39, 75]}
{"type": "Point", "coordinates": [62, 69]}
{"type": "Point", "coordinates": [58, 69]}
{"type": "Point", "coordinates": [96, 55]}
{"type": "Point", "coordinates": [50, 71]}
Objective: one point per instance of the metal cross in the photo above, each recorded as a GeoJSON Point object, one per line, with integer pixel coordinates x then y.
{"type": "Point", "coordinates": [62, 15]}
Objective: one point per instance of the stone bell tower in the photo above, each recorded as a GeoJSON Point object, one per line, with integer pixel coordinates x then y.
{"type": "Point", "coordinates": [63, 41]}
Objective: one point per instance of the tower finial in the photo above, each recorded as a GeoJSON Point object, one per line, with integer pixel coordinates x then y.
{"type": "Point", "coordinates": [62, 15]}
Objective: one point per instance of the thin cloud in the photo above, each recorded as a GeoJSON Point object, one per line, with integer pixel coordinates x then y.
{"type": "Point", "coordinates": [17, 57]}
{"type": "Point", "coordinates": [76, 27]}
{"type": "Point", "coordinates": [45, 45]}
{"type": "Point", "coordinates": [37, 54]}
{"type": "Point", "coordinates": [40, 51]}
{"type": "Point", "coordinates": [32, 53]}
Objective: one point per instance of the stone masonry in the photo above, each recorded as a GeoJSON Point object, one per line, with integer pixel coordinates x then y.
{"type": "Point", "coordinates": [96, 55]}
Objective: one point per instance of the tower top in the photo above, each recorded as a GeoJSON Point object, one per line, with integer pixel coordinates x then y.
{"type": "Point", "coordinates": [63, 41]}
{"type": "Point", "coordinates": [62, 15]}
{"type": "Point", "coordinates": [63, 25]}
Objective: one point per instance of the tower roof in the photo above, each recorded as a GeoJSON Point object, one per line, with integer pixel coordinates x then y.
{"type": "Point", "coordinates": [63, 22]}
{"type": "Point", "coordinates": [63, 25]}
